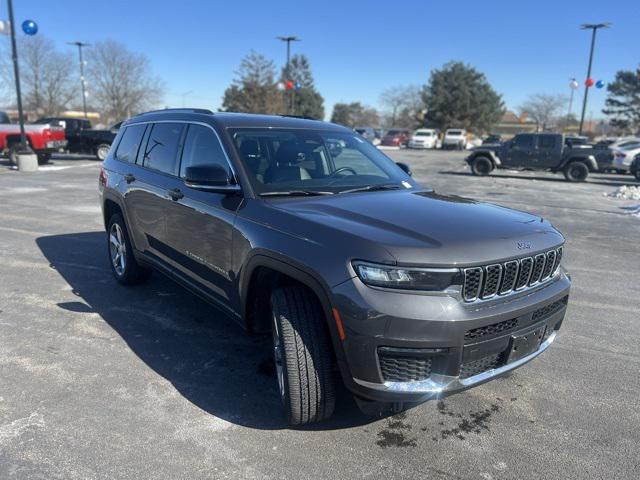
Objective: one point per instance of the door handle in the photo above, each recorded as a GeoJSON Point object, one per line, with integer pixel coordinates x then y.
{"type": "Point", "coordinates": [175, 194]}
{"type": "Point", "coordinates": [129, 178]}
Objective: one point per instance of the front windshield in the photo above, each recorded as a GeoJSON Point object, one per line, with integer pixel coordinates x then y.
{"type": "Point", "coordinates": [283, 160]}
{"type": "Point", "coordinates": [456, 133]}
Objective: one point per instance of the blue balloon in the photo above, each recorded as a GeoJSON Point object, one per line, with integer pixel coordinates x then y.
{"type": "Point", "coordinates": [298, 86]}
{"type": "Point", "coordinates": [599, 84]}
{"type": "Point", "coordinates": [29, 27]}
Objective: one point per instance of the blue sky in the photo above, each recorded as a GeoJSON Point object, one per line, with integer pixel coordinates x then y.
{"type": "Point", "coordinates": [356, 48]}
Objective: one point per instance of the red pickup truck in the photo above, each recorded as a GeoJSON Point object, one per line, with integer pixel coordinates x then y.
{"type": "Point", "coordinates": [43, 140]}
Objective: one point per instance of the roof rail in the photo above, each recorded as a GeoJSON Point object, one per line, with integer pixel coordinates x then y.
{"type": "Point", "coordinates": [304, 117]}
{"type": "Point", "coordinates": [180, 110]}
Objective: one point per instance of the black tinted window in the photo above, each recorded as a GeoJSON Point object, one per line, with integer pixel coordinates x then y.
{"type": "Point", "coordinates": [128, 146]}
{"type": "Point", "coordinates": [524, 141]}
{"type": "Point", "coordinates": [161, 151]}
{"type": "Point", "coordinates": [201, 147]}
{"type": "Point", "coordinates": [547, 141]}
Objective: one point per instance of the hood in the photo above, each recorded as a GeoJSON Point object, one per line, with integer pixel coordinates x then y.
{"type": "Point", "coordinates": [420, 227]}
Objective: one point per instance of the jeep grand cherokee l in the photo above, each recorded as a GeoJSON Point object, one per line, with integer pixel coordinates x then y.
{"type": "Point", "coordinates": [303, 230]}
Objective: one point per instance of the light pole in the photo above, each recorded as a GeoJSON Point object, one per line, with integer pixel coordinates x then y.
{"type": "Point", "coordinates": [24, 146]}
{"type": "Point", "coordinates": [82, 81]}
{"type": "Point", "coordinates": [288, 40]}
{"type": "Point", "coordinates": [594, 28]}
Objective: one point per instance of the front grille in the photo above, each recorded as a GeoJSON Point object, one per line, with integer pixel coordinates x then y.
{"type": "Point", "coordinates": [400, 368]}
{"type": "Point", "coordinates": [490, 330]}
{"type": "Point", "coordinates": [550, 309]}
{"type": "Point", "coordinates": [475, 367]}
{"type": "Point", "coordinates": [502, 278]}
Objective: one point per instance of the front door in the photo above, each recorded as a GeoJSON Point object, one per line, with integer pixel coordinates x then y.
{"type": "Point", "coordinates": [200, 224]}
{"type": "Point", "coordinates": [521, 151]}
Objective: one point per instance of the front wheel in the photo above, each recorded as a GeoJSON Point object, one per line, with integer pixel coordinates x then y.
{"type": "Point", "coordinates": [481, 166]}
{"type": "Point", "coordinates": [302, 355]}
{"type": "Point", "coordinates": [576, 172]}
{"type": "Point", "coordinates": [102, 151]}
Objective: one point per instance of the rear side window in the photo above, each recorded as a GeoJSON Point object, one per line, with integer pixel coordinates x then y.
{"type": "Point", "coordinates": [547, 142]}
{"type": "Point", "coordinates": [202, 147]}
{"type": "Point", "coordinates": [161, 151]}
{"type": "Point", "coordinates": [128, 146]}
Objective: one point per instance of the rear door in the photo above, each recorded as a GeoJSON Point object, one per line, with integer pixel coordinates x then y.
{"type": "Point", "coordinates": [157, 167]}
{"type": "Point", "coordinates": [520, 152]}
{"type": "Point", "coordinates": [549, 150]}
{"type": "Point", "coordinates": [200, 224]}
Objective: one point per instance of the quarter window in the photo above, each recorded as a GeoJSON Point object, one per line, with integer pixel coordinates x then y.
{"type": "Point", "coordinates": [129, 144]}
{"type": "Point", "coordinates": [161, 151]}
{"type": "Point", "coordinates": [202, 147]}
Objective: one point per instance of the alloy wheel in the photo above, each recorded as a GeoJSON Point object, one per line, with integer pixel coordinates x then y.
{"type": "Point", "coordinates": [117, 249]}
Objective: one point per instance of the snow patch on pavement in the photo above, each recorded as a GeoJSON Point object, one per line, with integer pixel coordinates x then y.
{"type": "Point", "coordinates": [625, 192]}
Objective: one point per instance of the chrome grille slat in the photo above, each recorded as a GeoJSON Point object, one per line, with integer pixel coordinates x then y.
{"type": "Point", "coordinates": [492, 277]}
{"type": "Point", "coordinates": [485, 282]}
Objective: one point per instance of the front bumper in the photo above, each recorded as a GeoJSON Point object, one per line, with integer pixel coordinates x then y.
{"type": "Point", "coordinates": [436, 330]}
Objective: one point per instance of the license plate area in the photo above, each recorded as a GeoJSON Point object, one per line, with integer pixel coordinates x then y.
{"type": "Point", "coordinates": [525, 344]}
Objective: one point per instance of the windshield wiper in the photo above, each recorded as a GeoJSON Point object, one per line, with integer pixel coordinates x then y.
{"type": "Point", "coordinates": [370, 188]}
{"type": "Point", "coordinates": [295, 193]}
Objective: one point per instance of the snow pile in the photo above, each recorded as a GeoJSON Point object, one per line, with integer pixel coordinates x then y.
{"type": "Point", "coordinates": [635, 210]}
{"type": "Point", "coordinates": [625, 193]}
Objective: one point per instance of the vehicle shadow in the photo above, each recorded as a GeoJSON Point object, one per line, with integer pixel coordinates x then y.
{"type": "Point", "coordinates": [204, 353]}
{"type": "Point", "coordinates": [610, 180]}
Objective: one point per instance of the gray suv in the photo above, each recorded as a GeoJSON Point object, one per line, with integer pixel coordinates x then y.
{"type": "Point", "coordinates": [303, 231]}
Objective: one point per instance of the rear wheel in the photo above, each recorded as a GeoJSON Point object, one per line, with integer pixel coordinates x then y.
{"type": "Point", "coordinates": [102, 151]}
{"type": "Point", "coordinates": [481, 166]}
{"type": "Point", "coordinates": [123, 264]}
{"type": "Point", "coordinates": [576, 172]}
{"type": "Point", "coordinates": [301, 350]}
{"type": "Point", "coordinates": [44, 158]}
{"type": "Point", "coordinates": [637, 174]}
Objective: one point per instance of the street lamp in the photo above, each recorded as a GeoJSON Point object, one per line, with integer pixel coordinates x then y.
{"type": "Point", "coordinates": [589, 82]}
{"type": "Point", "coordinates": [288, 39]}
{"type": "Point", "coordinates": [82, 81]}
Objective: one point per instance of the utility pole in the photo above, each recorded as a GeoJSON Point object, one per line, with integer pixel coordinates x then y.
{"type": "Point", "coordinates": [82, 81]}
{"type": "Point", "coordinates": [594, 28]}
{"type": "Point", "coordinates": [288, 39]}
{"type": "Point", "coordinates": [24, 147]}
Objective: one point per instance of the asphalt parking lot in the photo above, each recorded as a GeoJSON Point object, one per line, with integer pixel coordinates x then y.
{"type": "Point", "coordinates": [103, 381]}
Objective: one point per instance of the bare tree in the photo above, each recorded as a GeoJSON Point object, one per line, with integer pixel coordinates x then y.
{"type": "Point", "coordinates": [402, 104]}
{"type": "Point", "coordinates": [120, 82]}
{"type": "Point", "coordinates": [45, 75]}
{"type": "Point", "coordinates": [543, 108]}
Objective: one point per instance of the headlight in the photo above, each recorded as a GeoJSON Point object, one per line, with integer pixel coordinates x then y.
{"type": "Point", "coordinates": [407, 278]}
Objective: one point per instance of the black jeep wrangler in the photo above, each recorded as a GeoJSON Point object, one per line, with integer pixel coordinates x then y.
{"type": "Point", "coordinates": [540, 151]}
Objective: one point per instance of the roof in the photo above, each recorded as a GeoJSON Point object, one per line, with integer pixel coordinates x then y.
{"type": "Point", "coordinates": [230, 120]}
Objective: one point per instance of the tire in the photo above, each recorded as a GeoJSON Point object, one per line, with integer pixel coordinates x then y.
{"type": "Point", "coordinates": [481, 166]}
{"type": "Point", "coordinates": [124, 266]}
{"type": "Point", "coordinates": [44, 158]}
{"type": "Point", "coordinates": [576, 171]}
{"type": "Point", "coordinates": [637, 175]}
{"type": "Point", "coordinates": [302, 355]}
{"type": "Point", "coordinates": [13, 155]}
{"type": "Point", "coordinates": [102, 151]}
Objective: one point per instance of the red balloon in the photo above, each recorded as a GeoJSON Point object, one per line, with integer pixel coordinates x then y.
{"type": "Point", "coordinates": [589, 82]}
{"type": "Point", "coordinates": [289, 84]}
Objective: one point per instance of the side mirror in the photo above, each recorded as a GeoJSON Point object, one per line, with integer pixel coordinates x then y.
{"type": "Point", "coordinates": [405, 168]}
{"type": "Point", "coordinates": [212, 178]}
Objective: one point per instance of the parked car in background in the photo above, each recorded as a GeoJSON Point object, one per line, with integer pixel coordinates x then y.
{"type": "Point", "coordinates": [492, 139]}
{"type": "Point", "coordinates": [43, 140]}
{"type": "Point", "coordinates": [623, 156]}
{"type": "Point", "coordinates": [623, 142]}
{"type": "Point", "coordinates": [395, 137]}
{"type": "Point", "coordinates": [454, 138]}
{"type": "Point", "coordinates": [367, 132]}
{"type": "Point", "coordinates": [634, 168]}
{"type": "Point", "coordinates": [4, 118]}
{"type": "Point", "coordinates": [81, 137]}
{"type": "Point", "coordinates": [423, 138]}
{"type": "Point", "coordinates": [303, 232]}
{"type": "Point", "coordinates": [539, 151]}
